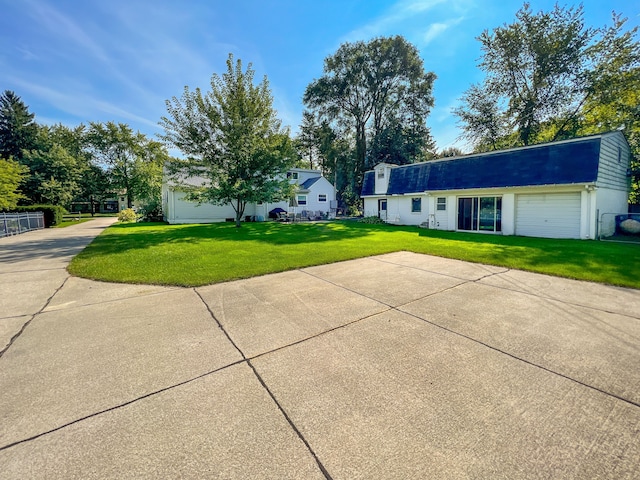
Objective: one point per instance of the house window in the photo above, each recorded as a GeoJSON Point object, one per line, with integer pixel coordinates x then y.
{"type": "Point", "coordinates": [441, 203]}
{"type": "Point", "coordinates": [293, 175]}
{"type": "Point", "coordinates": [380, 173]}
{"type": "Point", "coordinates": [480, 214]}
{"type": "Point", "coordinates": [302, 199]}
{"type": "Point", "coordinates": [322, 197]}
{"type": "Point", "coordinates": [416, 205]}
{"type": "Point", "coordinates": [619, 154]}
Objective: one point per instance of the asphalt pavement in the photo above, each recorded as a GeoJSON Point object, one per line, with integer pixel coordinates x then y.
{"type": "Point", "coordinates": [400, 366]}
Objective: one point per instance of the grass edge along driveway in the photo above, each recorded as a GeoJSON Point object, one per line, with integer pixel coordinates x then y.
{"type": "Point", "coordinates": [201, 254]}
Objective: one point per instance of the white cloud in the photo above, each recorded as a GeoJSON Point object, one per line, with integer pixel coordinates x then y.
{"type": "Point", "coordinates": [437, 29]}
{"type": "Point", "coordinates": [60, 24]}
{"type": "Point", "coordinates": [84, 107]}
{"type": "Point", "coordinates": [397, 14]}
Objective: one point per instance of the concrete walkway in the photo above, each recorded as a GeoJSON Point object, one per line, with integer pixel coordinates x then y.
{"type": "Point", "coordinates": [391, 367]}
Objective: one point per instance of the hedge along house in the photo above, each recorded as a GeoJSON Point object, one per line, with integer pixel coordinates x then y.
{"type": "Point", "coordinates": [313, 193]}
{"type": "Point", "coordinates": [564, 189]}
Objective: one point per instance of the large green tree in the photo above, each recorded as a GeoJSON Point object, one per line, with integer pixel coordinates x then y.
{"type": "Point", "coordinates": [378, 91]}
{"type": "Point", "coordinates": [56, 163]}
{"type": "Point", "coordinates": [543, 72]}
{"type": "Point", "coordinates": [18, 130]}
{"type": "Point", "coordinates": [614, 99]}
{"type": "Point", "coordinates": [11, 176]}
{"type": "Point", "coordinates": [551, 77]}
{"type": "Point", "coordinates": [132, 161]}
{"type": "Point", "coordinates": [535, 70]}
{"type": "Point", "coordinates": [231, 140]}
{"type": "Point", "coordinates": [53, 176]}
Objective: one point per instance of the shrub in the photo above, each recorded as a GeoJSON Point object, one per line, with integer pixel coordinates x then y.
{"type": "Point", "coordinates": [52, 213]}
{"type": "Point", "coordinates": [151, 211]}
{"type": "Point", "coordinates": [127, 215]}
{"type": "Point", "coordinates": [372, 219]}
{"type": "Point", "coordinates": [354, 211]}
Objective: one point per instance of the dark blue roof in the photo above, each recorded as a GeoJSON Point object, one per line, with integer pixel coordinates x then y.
{"type": "Point", "coordinates": [548, 164]}
{"type": "Point", "coordinates": [308, 182]}
{"type": "Point", "coordinates": [369, 183]}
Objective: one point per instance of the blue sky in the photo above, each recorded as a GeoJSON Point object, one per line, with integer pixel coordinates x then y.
{"type": "Point", "coordinates": [76, 61]}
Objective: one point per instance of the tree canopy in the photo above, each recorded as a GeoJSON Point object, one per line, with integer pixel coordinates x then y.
{"type": "Point", "coordinates": [11, 175]}
{"type": "Point", "coordinates": [134, 163]}
{"type": "Point", "coordinates": [232, 141]}
{"type": "Point", "coordinates": [548, 76]}
{"type": "Point", "coordinates": [540, 73]}
{"type": "Point", "coordinates": [379, 94]}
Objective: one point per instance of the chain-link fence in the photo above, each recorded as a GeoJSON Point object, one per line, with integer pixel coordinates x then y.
{"type": "Point", "coordinates": [17, 223]}
{"type": "Point", "coordinates": [619, 226]}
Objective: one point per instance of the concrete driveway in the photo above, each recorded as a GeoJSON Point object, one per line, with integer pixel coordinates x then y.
{"type": "Point", "coordinates": [392, 367]}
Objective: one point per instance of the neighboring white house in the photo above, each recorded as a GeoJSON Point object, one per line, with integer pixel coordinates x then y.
{"type": "Point", "coordinates": [314, 193]}
{"type": "Point", "coordinates": [565, 189]}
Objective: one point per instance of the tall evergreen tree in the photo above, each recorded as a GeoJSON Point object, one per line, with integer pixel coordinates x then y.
{"type": "Point", "coordinates": [18, 129]}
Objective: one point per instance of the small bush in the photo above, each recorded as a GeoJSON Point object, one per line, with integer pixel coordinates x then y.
{"type": "Point", "coordinates": [127, 215]}
{"type": "Point", "coordinates": [372, 220]}
{"type": "Point", "coordinates": [151, 211]}
{"type": "Point", "coordinates": [53, 214]}
{"type": "Point", "coordinates": [354, 211]}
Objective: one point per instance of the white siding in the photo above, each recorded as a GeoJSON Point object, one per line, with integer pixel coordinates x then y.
{"type": "Point", "coordinates": [382, 173]}
{"type": "Point", "coordinates": [508, 213]}
{"type": "Point", "coordinates": [181, 211]}
{"type": "Point", "coordinates": [371, 207]}
{"type": "Point", "coordinates": [551, 215]}
{"type": "Point", "coordinates": [405, 215]}
{"type": "Point", "coordinates": [614, 162]}
{"type": "Point", "coordinates": [442, 216]}
{"type": "Point", "coordinates": [321, 187]}
{"type": "Point", "coordinates": [608, 204]}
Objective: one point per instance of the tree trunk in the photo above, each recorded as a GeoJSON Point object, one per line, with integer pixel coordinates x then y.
{"type": "Point", "coordinates": [239, 208]}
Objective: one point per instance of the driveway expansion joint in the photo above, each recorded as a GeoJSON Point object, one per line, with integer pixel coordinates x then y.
{"type": "Point", "coordinates": [398, 309]}
{"type": "Point", "coordinates": [523, 360]}
{"type": "Point", "coordinates": [120, 405]}
{"type": "Point", "coordinates": [26, 324]}
{"type": "Point", "coordinates": [286, 416]}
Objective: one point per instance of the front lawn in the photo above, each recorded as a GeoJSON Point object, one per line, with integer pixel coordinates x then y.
{"type": "Point", "coordinates": [192, 255]}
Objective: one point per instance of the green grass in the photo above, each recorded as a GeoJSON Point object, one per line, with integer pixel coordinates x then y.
{"type": "Point", "coordinates": [192, 255]}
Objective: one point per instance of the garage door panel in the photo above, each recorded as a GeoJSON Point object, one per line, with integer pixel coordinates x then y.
{"type": "Point", "coordinates": [552, 215]}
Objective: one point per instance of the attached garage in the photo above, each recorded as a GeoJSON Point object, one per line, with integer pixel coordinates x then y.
{"type": "Point", "coordinates": [551, 215]}
{"type": "Point", "coordinates": [564, 189]}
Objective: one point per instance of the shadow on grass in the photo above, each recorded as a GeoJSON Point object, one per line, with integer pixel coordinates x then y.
{"type": "Point", "coordinates": [581, 259]}
{"type": "Point", "coordinates": [132, 236]}
{"type": "Point", "coordinates": [588, 260]}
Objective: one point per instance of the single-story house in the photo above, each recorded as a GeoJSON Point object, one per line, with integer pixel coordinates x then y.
{"type": "Point", "coordinates": [564, 189]}
{"type": "Point", "coordinates": [314, 193]}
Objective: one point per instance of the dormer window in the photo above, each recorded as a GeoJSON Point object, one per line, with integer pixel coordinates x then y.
{"type": "Point", "coordinates": [293, 175]}
{"type": "Point", "coordinates": [381, 173]}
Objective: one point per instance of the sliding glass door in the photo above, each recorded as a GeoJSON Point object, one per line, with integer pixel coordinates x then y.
{"type": "Point", "coordinates": [480, 214]}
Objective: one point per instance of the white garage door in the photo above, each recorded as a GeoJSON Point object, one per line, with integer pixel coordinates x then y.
{"type": "Point", "coordinates": [552, 215]}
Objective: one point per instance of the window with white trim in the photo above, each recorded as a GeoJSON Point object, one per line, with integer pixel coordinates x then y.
{"type": "Point", "coordinates": [416, 205]}
{"type": "Point", "coordinates": [322, 197]}
{"type": "Point", "coordinates": [441, 203]}
{"type": "Point", "coordinates": [302, 199]}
